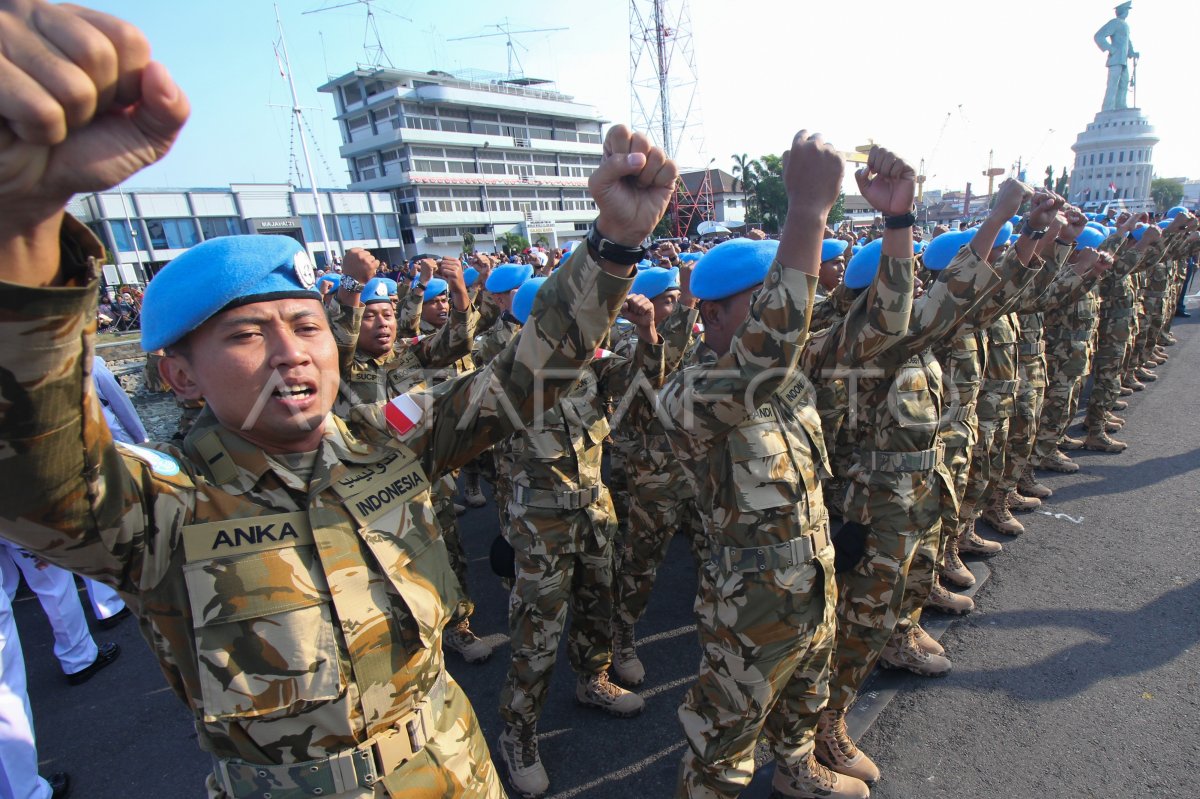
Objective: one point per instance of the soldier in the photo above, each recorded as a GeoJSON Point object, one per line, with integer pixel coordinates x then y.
{"type": "Point", "coordinates": [240, 549]}
{"type": "Point", "coordinates": [661, 500]}
{"type": "Point", "coordinates": [560, 524]}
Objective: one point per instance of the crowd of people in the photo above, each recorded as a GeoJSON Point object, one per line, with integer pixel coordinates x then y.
{"type": "Point", "coordinates": [295, 556]}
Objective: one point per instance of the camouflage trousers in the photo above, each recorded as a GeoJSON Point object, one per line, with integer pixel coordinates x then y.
{"type": "Point", "coordinates": [1112, 346]}
{"type": "Point", "coordinates": [550, 580]}
{"type": "Point", "coordinates": [871, 599]}
{"type": "Point", "coordinates": [1136, 329]}
{"type": "Point", "coordinates": [1022, 434]}
{"type": "Point", "coordinates": [618, 471]}
{"type": "Point", "coordinates": [1157, 312]}
{"type": "Point", "coordinates": [1066, 364]}
{"type": "Point", "coordinates": [443, 507]}
{"type": "Point", "coordinates": [455, 764]}
{"type": "Point", "coordinates": [765, 640]}
{"type": "Point", "coordinates": [661, 503]}
{"type": "Point", "coordinates": [958, 463]}
{"type": "Point", "coordinates": [987, 466]}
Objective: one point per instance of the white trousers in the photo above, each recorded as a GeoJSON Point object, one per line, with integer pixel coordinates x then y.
{"type": "Point", "coordinates": [18, 751]}
{"type": "Point", "coordinates": [55, 589]}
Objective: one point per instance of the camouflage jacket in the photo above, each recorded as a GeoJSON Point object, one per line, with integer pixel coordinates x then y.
{"type": "Point", "coordinates": [235, 565]}
{"type": "Point", "coordinates": [367, 379]}
{"type": "Point", "coordinates": [490, 344]}
{"type": "Point", "coordinates": [459, 367]}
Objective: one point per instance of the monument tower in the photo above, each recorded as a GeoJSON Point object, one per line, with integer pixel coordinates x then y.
{"type": "Point", "coordinates": [1113, 155]}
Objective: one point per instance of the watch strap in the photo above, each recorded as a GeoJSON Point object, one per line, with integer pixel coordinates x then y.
{"type": "Point", "coordinates": [613, 252]}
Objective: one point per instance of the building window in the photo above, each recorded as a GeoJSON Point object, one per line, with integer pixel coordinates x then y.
{"type": "Point", "coordinates": [212, 227]}
{"type": "Point", "coordinates": [1121, 157]}
{"type": "Point", "coordinates": [171, 234]}
{"type": "Point", "coordinates": [120, 230]}
{"type": "Point", "coordinates": [351, 93]}
{"type": "Point", "coordinates": [388, 226]}
{"type": "Point", "coordinates": [1110, 158]}
{"type": "Point", "coordinates": [406, 236]}
{"type": "Point", "coordinates": [365, 165]}
{"type": "Point", "coordinates": [355, 226]}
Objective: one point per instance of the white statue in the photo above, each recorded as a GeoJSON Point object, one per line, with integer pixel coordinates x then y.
{"type": "Point", "coordinates": [1114, 39]}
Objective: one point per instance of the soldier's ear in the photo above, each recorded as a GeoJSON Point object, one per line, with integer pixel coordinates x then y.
{"type": "Point", "coordinates": [176, 371]}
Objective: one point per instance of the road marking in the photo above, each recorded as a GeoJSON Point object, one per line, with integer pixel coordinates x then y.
{"type": "Point", "coordinates": [621, 774]}
{"type": "Point", "coordinates": [1062, 516]}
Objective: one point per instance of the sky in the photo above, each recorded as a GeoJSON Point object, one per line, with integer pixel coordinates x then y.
{"type": "Point", "coordinates": [946, 82]}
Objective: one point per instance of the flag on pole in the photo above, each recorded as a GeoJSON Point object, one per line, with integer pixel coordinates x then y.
{"type": "Point", "coordinates": [279, 61]}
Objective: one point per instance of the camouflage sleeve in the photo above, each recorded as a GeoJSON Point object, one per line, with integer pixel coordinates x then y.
{"type": "Point", "coordinates": [490, 345]}
{"type": "Point", "coordinates": [1032, 299]}
{"type": "Point", "coordinates": [676, 333]}
{"type": "Point", "coordinates": [453, 422]}
{"type": "Point", "coordinates": [83, 505]}
{"type": "Point", "coordinates": [880, 318]}
{"type": "Point", "coordinates": [1114, 244]}
{"type": "Point", "coordinates": [488, 310]}
{"type": "Point", "coordinates": [345, 322]}
{"type": "Point", "coordinates": [452, 341]}
{"type": "Point", "coordinates": [713, 398]}
{"type": "Point", "coordinates": [617, 375]}
{"type": "Point", "coordinates": [1012, 276]}
{"type": "Point", "coordinates": [1130, 259]}
{"type": "Point", "coordinates": [408, 314]}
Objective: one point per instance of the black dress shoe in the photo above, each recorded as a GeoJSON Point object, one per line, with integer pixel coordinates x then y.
{"type": "Point", "coordinates": [107, 654]}
{"type": "Point", "coordinates": [60, 785]}
{"type": "Point", "coordinates": [113, 620]}
{"type": "Point", "coordinates": [1183, 313]}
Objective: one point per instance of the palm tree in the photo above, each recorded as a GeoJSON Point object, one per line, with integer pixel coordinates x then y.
{"type": "Point", "coordinates": [745, 177]}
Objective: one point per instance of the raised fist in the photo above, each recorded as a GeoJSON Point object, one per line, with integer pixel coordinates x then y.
{"type": "Point", "coordinates": [427, 267]}
{"type": "Point", "coordinates": [83, 108]}
{"type": "Point", "coordinates": [632, 187]}
{"type": "Point", "coordinates": [812, 175]}
{"type": "Point", "coordinates": [1011, 195]}
{"type": "Point", "coordinates": [887, 182]}
{"type": "Point", "coordinates": [1076, 222]}
{"type": "Point", "coordinates": [639, 311]}
{"type": "Point", "coordinates": [359, 264]}
{"type": "Point", "coordinates": [1043, 208]}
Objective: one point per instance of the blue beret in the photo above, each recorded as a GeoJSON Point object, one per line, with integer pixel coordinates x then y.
{"type": "Point", "coordinates": [1015, 219]}
{"type": "Point", "coordinates": [1089, 237]}
{"type": "Point", "coordinates": [470, 275]}
{"type": "Point", "coordinates": [919, 247]}
{"type": "Point", "coordinates": [1097, 226]}
{"type": "Point", "coordinates": [436, 286]}
{"type": "Point", "coordinates": [862, 241]}
{"type": "Point", "coordinates": [644, 264]}
{"type": "Point", "coordinates": [654, 281]}
{"type": "Point", "coordinates": [333, 278]}
{"type": "Point", "coordinates": [854, 250]}
{"type": "Point", "coordinates": [522, 303]}
{"type": "Point", "coordinates": [1092, 217]}
{"type": "Point", "coordinates": [690, 257]}
{"type": "Point", "coordinates": [832, 248]}
{"type": "Point", "coordinates": [1003, 236]}
{"type": "Point", "coordinates": [1176, 211]}
{"type": "Point", "coordinates": [219, 273]}
{"type": "Point", "coordinates": [1014, 238]}
{"type": "Point", "coordinates": [508, 277]}
{"type": "Point", "coordinates": [379, 289]}
{"type": "Point", "coordinates": [1164, 224]}
{"type": "Point", "coordinates": [863, 266]}
{"type": "Point", "coordinates": [732, 267]}
{"type": "Point", "coordinates": [941, 251]}
{"type": "Point", "coordinates": [1140, 231]}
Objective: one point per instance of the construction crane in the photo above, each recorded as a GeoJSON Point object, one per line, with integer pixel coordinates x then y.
{"type": "Point", "coordinates": [375, 53]}
{"type": "Point", "coordinates": [991, 173]}
{"type": "Point", "coordinates": [508, 33]}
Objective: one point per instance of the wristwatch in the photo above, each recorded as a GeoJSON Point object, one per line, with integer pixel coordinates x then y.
{"type": "Point", "coordinates": [613, 252]}
{"type": "Point", "coordinates": [900, 221]}
{"type": "Point", "coordinates": [1036, 235]}
{"type": "Point", "coordinates": [351, 285]}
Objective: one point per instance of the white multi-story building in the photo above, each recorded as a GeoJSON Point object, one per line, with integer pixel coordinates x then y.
{"type": "Point", "coordinates": [469, 156]}
{"type": "Point", "coordinates": [144, 228]}
{"type": "Point", "coordinates": [1113, 159]}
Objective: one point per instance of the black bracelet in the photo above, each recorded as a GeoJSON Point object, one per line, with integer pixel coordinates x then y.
{"type": "Point", "coordinates": [609, 250]}
{"type": "Point", "coordinates": [900, 222]}
{"type": "Point", "coordinates": [1036, 235]}
{"type": "Point", "coordinates": [1064, 243]}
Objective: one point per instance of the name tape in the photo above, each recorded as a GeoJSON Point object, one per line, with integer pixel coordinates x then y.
{"type": "Point", "coordinates": [242, 536]}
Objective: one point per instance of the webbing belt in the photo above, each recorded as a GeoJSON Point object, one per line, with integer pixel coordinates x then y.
{"type": "Point", "coordinates": [999, 386]}
{"type": "Point", "coordinates": [565, 500]}
{"type": "Point", "coordinates": [793, 552]}
{"type": "Point", "coordinates": [919, 461]}
{"type": "Point", "coordinates": [360, 767]}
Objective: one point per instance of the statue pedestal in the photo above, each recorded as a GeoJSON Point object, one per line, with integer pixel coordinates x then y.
{"type": "Point", "coordinates": [1113, 160]}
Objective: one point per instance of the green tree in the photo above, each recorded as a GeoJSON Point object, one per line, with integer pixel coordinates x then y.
{"type": "Point", "coordinates": [468, 243]}
{"type": "Point", "coordinates": [511, 242]}
{"type": "Point", "coordinates": [838, 212]}
{"type": "Point", "coordinates": [1049, 181]}
{"type": "Point", "coordinates": [771, 194]}
{"type": "Point", "coordinates": [1062, 184]}
{"type": "Point", "coordinates": [745, 178]}
{"type": "Point", "coordinates": [1166, 192]}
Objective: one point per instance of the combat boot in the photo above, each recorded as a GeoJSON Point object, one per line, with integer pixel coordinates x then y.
{"type": "Point", "coordinates": [462, 640]}
{"type": "Point", "coordinates": [1021, 503]}
{"type": "Point", "coordinates": [519, 751]}
{"type": "Point", "coordinates": [1112, 418]}
{"type": "Point", "coordinates": [1059, 462]}
{"type": "Point", "coordinates": [814, 781]}
{"type": "Point", "coordinates": [1126, 390]}
{"type": "Point", "coordinates": [1070, 442]}
{"type": "Point", "coordinates": [997, 515]}
{"type": "Point", "coordinates": [625, 662]}
{"type": "Point", "coordinates": [953, 570]}
{"type": "Point", "coordinates": [1161, 353]}
{"type": "Point", "coordinates": [472, 494]}
{"type": "Point", "coordinates": [834, 748]}
{"type": "Point", "coordinates": [969, 543]}
{"type": "Point", "coordinates": [1119, 405]}
{"type": "Point", "coordinates": [1028, 485]}
{"type": "Point", "coordinates": [903, 652]}
{"type": "Point", "coordinates": [1145, 375]}
{"type": "Point", "coordinates": [596, 690]}
{"type": "Point", "coordinates": [1099, 441]}
{"type": "Point", "coordinates": [459, 510]}
{"type": "Point", "coordinates": [1133, 383]}
{"type": "Point", "coordinates": [1167, 339]}
{"type": "Point", "coordinates": [926, 641]}
{"type": "Point", "coordinates": [947, 601]}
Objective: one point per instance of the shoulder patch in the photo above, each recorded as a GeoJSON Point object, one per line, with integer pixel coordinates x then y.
{"type": "Point", "coordinates": [160, 463]}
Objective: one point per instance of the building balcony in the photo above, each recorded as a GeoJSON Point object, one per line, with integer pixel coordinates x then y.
{"type": "Point", "coordinates": [390, 137]}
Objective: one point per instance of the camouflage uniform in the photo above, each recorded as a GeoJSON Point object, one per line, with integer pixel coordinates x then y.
{"type": "Point", "coordinates": [238, 563]}
{"type": "Point", "coordinates": [189, 409]}
{"type": "Point", "coordinates": [661, 500]}
{"type": "Point", "coordinates": [832, 396]}
{"type": "Point", "coordinates": [559, 521]}
{"type": "Point", "coordinates": [1069, 330]}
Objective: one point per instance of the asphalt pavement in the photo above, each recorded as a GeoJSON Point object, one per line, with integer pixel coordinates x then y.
{"type": "Point", "coordinates": [1075, 677]}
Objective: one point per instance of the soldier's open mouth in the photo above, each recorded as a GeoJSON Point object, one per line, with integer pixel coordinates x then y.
{"type": "Point", "coordinates": [294, 392]}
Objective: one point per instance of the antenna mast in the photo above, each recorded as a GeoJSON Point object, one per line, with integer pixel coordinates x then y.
{"type": "Point", "coordinates": [312, 178]}
{"type": "Point", "coordinates": [508, 33]}
{"type": "Point", "coordinates": [374, 52]}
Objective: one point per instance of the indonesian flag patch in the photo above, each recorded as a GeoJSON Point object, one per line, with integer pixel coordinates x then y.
{"type": "Point", "coordinates": [403, 414]}
{"type": "Point", "coordinates": [602, 353]}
